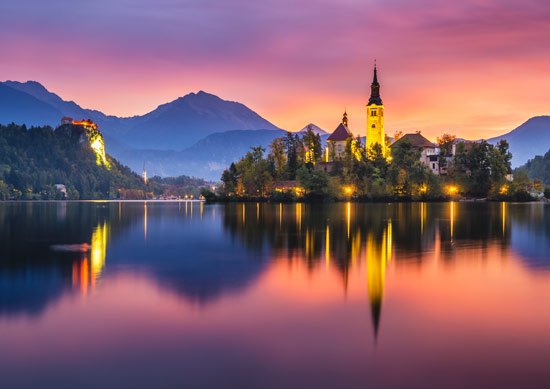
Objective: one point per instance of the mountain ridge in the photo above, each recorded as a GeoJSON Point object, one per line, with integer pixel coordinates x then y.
{"type": "Point", "coordinates": [194, 125]}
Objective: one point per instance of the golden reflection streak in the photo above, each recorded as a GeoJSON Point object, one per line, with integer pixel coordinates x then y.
{"type": "Point", "coordinates": [145, 220]}
{"type": "Point", "coordinates": [119, 210]}
{"type": "Point", "coordinates": [86, 272]}
{"type": "Point", "coordinates": [503, 210]}
{"type": "Point", "coordinates": [84, 277]}
{"type": "Point", "coordinates": [299, 216]}
{"type": "Point", "coordinates": [280, 215]}
{"type": "Point", "coordinates": [327, 247]}
{"type": "Point", "coordinates": [201, 207]}
{"type": "Point", "coordinates": [348, 216]}
{"type": "Point", "coordinates": [355, 247]}
{"type": "Point", "coordinates": [257, 212]}
{"type": "Point", "coordinates": [309, 244]}
{"type": "Point", "coordinates": [377, 258]}
{"type": "Point", "coordinates": [422, 216]}
{"type": "Point", "coordinates": [452, 221]}
{"type": "Point", "coordinates": [244, 212]}
{"type": "Point", "coordinates": [375, 268]}
{"type": "Point", "coordinates": [389, 241]}
{"type": "Point", "coordinates": [98, 249]}
{"type": "Point", "coordinates": [186, 208]}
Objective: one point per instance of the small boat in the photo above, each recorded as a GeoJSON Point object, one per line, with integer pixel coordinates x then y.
{"type": "Point", "coordinates": [73, 248]}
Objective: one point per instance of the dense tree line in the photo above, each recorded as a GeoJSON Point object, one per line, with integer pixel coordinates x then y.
{"type": "Point", "coordinates": [538, 168]}
{"type": "Point", "coordinates": [472, 169]}
{"type": "Point", "coordinates": [33, 161]}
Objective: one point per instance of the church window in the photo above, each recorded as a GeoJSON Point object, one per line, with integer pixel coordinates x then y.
{"type": "Point", "coordinates": [374, 126]}
{"type": "Point", "coordinates": [373, 112]}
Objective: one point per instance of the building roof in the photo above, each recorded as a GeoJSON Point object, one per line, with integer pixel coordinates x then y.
{"type": "Point", "coordinates": [416, 140]}
{"type": "Point", "coordinates": [341, 133]}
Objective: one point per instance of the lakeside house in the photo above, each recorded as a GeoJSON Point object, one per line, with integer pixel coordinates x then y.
{"type": "Point", "coordinates": [429, 151]}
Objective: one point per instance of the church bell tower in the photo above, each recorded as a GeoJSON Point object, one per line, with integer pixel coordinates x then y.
{"type": "Point", "coordinates": [375, 116]}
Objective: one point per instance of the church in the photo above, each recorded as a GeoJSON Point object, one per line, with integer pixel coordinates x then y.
{"type": "Point", "coordinates": [375, 133]}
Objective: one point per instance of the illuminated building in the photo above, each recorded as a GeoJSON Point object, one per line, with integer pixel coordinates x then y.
{"type": "Point", "coordinates": [429, 152]}
{"type": "Point", "coordinates": [95, 138]}
{"type": "Point", "coordinates": [375, 116]}
{"type": "Point", "coordinates": [336, 142]}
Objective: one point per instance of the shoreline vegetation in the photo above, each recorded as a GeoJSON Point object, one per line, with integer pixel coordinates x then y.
{"type": "Point", "coordinates": [71, 163]}
{"type": "Point", "coordinates": [293, 169]}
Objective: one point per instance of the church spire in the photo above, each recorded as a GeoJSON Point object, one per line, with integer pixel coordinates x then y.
{"type": "Point", "coordinates": [375, 98]}
{"type": "Point", "coordinates": [345, 119]}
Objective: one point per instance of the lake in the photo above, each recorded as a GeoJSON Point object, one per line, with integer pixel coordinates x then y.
{"type": "Point", "coordinates": [187, 294]}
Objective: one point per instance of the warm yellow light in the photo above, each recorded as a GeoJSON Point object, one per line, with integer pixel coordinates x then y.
{"type": "Point", "coordinates": [423, 188]}
{"type": "Point", "coordinates": [389, 158]}
{"type": "Point", "coordinates": [98, 249]}
{"type": "Point", "coordinates": [299, 191]}
{"type": "Point", "coordinates": [96, 141]}
{"type": "Point", "coordinates": [503, 189]}
{"type": "Point", "coordinates": [452, 189]}
{"type": "Point", "coordinates": [348, 190]}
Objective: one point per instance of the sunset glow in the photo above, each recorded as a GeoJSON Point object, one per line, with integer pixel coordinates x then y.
{"type": "Point", "coordinates": [460, 67]}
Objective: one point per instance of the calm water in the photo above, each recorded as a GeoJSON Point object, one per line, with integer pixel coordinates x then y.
{"type": "Point", "coordinates": [267, 295]}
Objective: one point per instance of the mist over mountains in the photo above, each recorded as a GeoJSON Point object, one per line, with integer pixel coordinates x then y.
{"type": "Point", "coordinates": [198, 134]}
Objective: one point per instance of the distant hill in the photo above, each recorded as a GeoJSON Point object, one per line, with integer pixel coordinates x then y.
{"type": "Point", "coordinates": [314, 128]}
{"type": "Point", "coordinates": [33, 161]}
{"type": "Point", "coordinates": [22, 108]}
{"type": "Point", "coordinates": [172, 126]}
{"type": "Point", "coordinates": [530, 139]}
{"type": "Point", "coordinates": [207, 158]}
{"type": "Point", "coordinates": [183, 122]}
{"type": "Point", "coordinates": [539, 167]}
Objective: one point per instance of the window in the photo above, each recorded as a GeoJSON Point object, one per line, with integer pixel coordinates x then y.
{"type": "Point", "coordinates": [433, 166]}
{"type": "Point", "coordinates": [373, 112]}
{"type": "Point", "coordinates": [373, 126]}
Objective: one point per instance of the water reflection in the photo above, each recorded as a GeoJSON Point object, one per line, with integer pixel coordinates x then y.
{"type": "Point", "coordinates": [337, 293]}
{"type": "Point", "coordinates": [201, 259]}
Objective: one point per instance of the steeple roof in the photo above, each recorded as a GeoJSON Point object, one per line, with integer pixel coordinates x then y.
{"type": "Point", "coordinates": [341, 133]}
{"type": "Point", "coordinates": [375, 98]}
{"type": "Point", "coordinates": [416, 140]}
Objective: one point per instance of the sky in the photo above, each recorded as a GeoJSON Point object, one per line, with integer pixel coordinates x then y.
{"type": "Point", "coordinates": [474, 68]}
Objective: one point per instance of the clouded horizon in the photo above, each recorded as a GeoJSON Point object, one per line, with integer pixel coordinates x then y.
{"type": "Point", "coordinates": [472, 68]}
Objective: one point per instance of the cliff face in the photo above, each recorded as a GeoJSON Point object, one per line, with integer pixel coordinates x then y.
{"type": "Point", "coordinates": [35, 161]}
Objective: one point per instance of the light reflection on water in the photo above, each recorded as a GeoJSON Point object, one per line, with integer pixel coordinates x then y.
{"type": "Point", "coordinates": [270, 295]}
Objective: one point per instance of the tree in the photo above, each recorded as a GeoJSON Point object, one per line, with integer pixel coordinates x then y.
{"type": "Point", "coordinates": [407, 173]}
{"type": "Point", "coordinates": [314, 182]}
{"type": "Point", "coordinates": [312, 146]}
{"type": "Point", "coordinates": [229, 180]}
{"type": "Point", "coordinates": [277, 154]}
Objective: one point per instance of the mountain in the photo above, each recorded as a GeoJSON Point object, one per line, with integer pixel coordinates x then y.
{"type": "Point", "coordinates": [206, 158]}
{"type": "Point", "coordinates": [172, 126]}
{"type": "Point", "coordinates": [22, 108]}
{"type": "Point", "coordinates": [316, 129]}
{"type": "Point", "coordinates": [530, 139]}
{"type": "Point", "coordinates": [539, 167]}
{"type": "Point", "coordinates": [195, 134]}
{"type": "Point", "coordinates": [188, 119]}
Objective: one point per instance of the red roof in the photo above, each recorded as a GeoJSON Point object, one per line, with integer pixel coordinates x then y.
{"type": "Point", "coordinates": [341, 133]}
{"type": "Point", "coordinates": [416, 140]}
